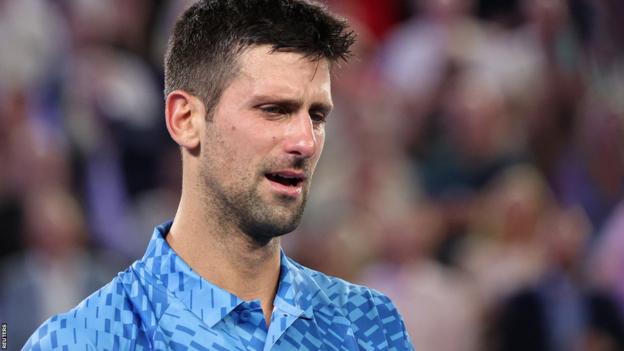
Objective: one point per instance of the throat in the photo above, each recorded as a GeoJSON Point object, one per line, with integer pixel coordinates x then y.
{"type": "Point", "coordinates": [228, 258]}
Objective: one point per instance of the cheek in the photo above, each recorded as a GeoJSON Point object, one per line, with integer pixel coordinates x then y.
{"type": "Point", "coordinates": [244, 144]}
{"type": "Point", "coordinates": [320, 143]}
{"type": "Point", "coordinates": [221, 148]}
{"type": "Point", "coordinates": [320, 140]}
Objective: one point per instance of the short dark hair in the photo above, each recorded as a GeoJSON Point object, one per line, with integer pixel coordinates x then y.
{"type": "Point", "coordinates": [208, 38]}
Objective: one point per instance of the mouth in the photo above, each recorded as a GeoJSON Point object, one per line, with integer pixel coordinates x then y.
{"type": "Point", "coordinates": [286, 178]}
{"type": "Point", "coordinates": [289, 183]}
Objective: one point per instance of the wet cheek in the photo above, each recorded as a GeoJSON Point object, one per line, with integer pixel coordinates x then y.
{"type": "Point", "coordinates": [320, 141]}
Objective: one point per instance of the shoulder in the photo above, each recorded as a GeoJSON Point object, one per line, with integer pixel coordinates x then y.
{"type": "Point", "coordinates": [104, 320]}
{"type": "Point", "coordinates": [372, 314]}
{"type": "Point", "coordinates": [345, 294]}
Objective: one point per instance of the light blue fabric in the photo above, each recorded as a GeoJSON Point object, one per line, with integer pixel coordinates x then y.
{"type": "Point", "coordinates": [160, 303]}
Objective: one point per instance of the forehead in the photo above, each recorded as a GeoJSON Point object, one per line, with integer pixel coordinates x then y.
{"type": "Point", "coordinates": [265, 56]}
{"type": "Point", "coordinates": [262, 68]}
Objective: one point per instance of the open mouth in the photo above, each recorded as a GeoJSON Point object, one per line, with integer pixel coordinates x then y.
{"type": "Point", "coordinates": [286, 178]}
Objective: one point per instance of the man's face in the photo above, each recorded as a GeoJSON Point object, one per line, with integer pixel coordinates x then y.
{"type": "Point", "coordinates": [262, 144]}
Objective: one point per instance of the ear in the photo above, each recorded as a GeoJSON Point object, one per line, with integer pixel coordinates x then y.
{"type": "Point", "coordinates": [184, 115]}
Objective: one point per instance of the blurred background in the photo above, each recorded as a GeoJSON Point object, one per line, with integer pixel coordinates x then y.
{"type": "Point", "coordinates": [473, 168]}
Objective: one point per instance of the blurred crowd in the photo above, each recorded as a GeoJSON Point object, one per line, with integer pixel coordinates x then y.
{"type": "Point", "coordinates": [473, 169]}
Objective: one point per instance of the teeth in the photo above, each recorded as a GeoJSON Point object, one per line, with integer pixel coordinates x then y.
{"type": "Point", "coordinates": [285, 176]}
{"type": "Point", "coordinates": [285, 179]}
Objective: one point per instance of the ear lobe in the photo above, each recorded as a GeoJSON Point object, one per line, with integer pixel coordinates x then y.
{"type": "Point", "coordinates": [184, 114]}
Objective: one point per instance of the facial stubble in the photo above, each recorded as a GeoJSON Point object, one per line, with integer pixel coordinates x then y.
{"type": "Point", "coordinates": [238, 204]}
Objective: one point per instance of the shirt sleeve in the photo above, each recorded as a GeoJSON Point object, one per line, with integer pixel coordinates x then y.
{"type": "Point", "coordinates": [58, 333]}
{"type": "Point", "coordinates": [97, 323]}
{"type": "Point", "coordinates": [392, 323]}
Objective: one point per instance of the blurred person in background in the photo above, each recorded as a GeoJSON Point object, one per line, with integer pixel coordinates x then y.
{"type": "Point", "coordinates": [26, 121]}
{"type": "Point", "coordinates": [55, 271]}
{"type": "Point", "coordinates": [561, 311]}
{"type": "Point", "coordinates": [434, 299]}
{"type": "Point", "coordinates": [54, 267]}
{"type": "Point", "coordinates": [476, 138]}
{"type": "Point", "coordinates": [590, 174]}
{"type": "Point", "coordinates": [607, 258]}
{"type": "Point", "coordinates": [111, 107]}
{"type": "Point", "coordinates": [503, 251]}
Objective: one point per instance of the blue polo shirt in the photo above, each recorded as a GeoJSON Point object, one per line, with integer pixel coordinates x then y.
{"type": "Point", "coordinates": [160, 303]}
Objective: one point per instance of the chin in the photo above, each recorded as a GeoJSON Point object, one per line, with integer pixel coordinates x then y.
{"type": "Point", "coordinates": [262, 232]}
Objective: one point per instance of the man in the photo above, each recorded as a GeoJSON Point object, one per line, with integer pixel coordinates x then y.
{"type": "Point", "coordinates": [247, 86]}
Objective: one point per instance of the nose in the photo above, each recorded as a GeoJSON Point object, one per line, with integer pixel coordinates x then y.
{"type": "Point", "coordinates": [301, 139]}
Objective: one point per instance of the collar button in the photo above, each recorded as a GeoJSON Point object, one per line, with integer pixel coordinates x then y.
{"type": "Point", "coordinates": [244, 316]}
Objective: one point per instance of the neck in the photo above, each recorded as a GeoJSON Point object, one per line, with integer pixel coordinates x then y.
{"type": "Point", "coordinates": [222, 254]}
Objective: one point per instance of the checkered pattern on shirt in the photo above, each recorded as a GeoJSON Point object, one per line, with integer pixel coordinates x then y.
{"type": "Point", "coordinates": [160, 303]}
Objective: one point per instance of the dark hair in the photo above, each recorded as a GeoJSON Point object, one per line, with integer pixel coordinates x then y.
{"type": "Point", "coordinates": [208, 38]}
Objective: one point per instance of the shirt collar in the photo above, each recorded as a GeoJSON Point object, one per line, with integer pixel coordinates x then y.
{"type": "Point", "coordinates": [295, 291]}
{"type": "Point", "coordinates": [295, 294]}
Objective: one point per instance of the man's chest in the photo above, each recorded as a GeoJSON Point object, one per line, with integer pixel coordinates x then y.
{"type": "Point", "coordinates": [182, 330]}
